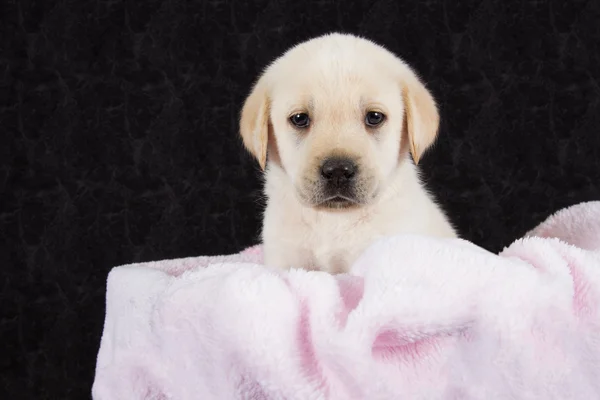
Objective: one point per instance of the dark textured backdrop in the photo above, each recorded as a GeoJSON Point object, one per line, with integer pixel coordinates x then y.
{"type": "Point", "coordinates": [118, 139]}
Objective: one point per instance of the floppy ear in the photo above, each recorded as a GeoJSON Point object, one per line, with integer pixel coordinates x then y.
{"type": "Point", "coordinates": [254, 122]}
{"type": "Point", "coordinates": [422, 117]}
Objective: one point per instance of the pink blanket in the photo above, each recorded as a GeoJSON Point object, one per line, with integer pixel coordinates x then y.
{"type": "Point", "coordinates": [417, 318]}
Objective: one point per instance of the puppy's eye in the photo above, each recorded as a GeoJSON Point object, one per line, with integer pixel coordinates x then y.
{"type": "Point", "coordinates": [374, 118]}
{"type": "Point", "coordinates": [300, 120]}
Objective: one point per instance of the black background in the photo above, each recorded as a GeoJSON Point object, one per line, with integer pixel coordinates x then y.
{"type": "Point", "coordinates": [119, 142]}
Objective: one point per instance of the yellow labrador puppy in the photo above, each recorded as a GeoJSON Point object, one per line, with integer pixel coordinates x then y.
{"type": "Point", "coordinates": [337, 116]}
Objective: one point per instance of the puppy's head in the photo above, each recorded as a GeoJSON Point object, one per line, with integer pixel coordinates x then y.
{"type": "Point", "coordinates": [338, 112]}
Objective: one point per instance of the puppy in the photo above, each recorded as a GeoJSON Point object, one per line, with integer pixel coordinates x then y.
{"type": "Point", "coordinates": [332, 122]}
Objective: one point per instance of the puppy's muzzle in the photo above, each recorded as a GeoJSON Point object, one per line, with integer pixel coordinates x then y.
{"type": "Point", "coordinates": [338, 177]}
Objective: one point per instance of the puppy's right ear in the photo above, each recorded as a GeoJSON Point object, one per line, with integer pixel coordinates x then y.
{"type": "Point", "coordinates": [254, 122]}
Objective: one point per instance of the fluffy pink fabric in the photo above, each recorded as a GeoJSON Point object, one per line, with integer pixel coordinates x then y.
{"type": "Point", "coordinates": [417, 318]}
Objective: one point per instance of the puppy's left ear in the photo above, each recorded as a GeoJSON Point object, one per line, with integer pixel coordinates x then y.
{"type": "Point", "coordinates": [254, 122]}
{"type": "Point", "coordinates": [421, 113]}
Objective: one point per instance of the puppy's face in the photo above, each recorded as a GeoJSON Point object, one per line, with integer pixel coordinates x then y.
{"type": "Point", "coordinates": [338, 111]}
{"type": "Point", "coordinates": [338, 131]}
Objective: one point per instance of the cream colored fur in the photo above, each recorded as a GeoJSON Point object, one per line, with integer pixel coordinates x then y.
{"type": "Point", "coordinates": [336, 79]}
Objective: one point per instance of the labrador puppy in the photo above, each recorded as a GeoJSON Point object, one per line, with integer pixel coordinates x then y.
{"type": "Point", "coordinates": [332, 123]}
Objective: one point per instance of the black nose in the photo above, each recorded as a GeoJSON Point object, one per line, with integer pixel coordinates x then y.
{"type": "Point", "coordinates": [338, 170]}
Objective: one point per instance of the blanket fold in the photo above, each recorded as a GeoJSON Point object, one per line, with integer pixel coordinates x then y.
{"type": "Point", "coordinates": [416, 318]}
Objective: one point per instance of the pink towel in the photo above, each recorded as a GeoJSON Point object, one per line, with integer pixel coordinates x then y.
{"type": "Point", "coordinates": [417, 318]}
